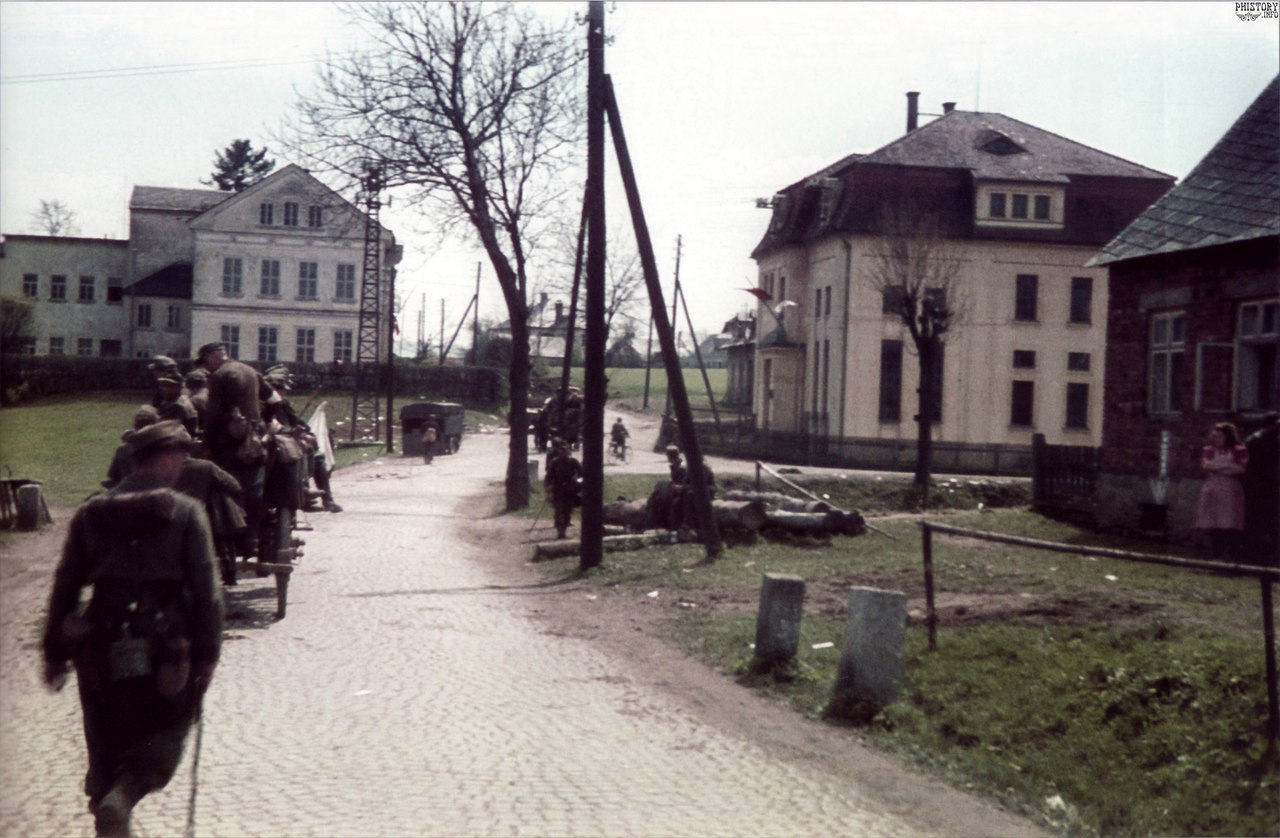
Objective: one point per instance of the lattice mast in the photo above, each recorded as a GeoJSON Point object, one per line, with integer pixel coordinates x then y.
{"type": "Point", "coordinates": [365, 417]}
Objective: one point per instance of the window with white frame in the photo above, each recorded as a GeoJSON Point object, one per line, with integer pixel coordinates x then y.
{"type": "Point", "coordinates": [290, 214]}
{"type": "Point", "coordinates": [315, 216]}
{"type": "Point", "coordinates": [268, 343]}
{"type": "Point", "coordinates": [1078, 361]}
{"type": "Point", "coordinates": [1022, 404]}
{"type": "Point", "coordinates": [230, 335]}
{"type": "Point", "coordinates": [345, 287]}
{"type": "Point", "coordinates": [86, 289]}
{"type": "Point", "coordinates": [269, 285]}
{"type": "Point", "coordinates": [1167, 347]}
{"type": "Point", "coordinates": [1257, 333]}
{"type": "Point", "coordinates": [308, 274]}
{"type": "Point", "coordinates": [30, 285]}
{"type": "Point", "coordinates": [143, 319]}
{"type": "Point", "coordinates": [84, 346]}
{"type": "Point", "coordinates": [232, 277]}
{"type": "Point", "coordinates": [173, 318]}
{"type": "Point", "coordinates": [266, 214]}
{"type": "Point", "coordinates": [57, 346]}
{"type": "Point", "coordinates": [1081, 299]}
{"type": "Point", "coordinates": [1019, 205]}
{"type": "Point", "coordinates": [1077, 405]}
{"type": "Point", "coordinates": [305, 346]}
{"type": "Point", "coordinates": [343, 345]}
{"type": "Point", "coordinates": [1026, 292]}
{"type": "Point", "coordinates": [58, 288]}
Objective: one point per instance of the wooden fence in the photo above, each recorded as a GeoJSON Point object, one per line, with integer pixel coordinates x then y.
{"type": "Point", "coordinates": [1064, 478]}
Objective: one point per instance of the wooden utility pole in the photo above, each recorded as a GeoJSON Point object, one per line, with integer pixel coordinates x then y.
{"type": "Point", "coordinates": [675, 301]}
{"type": "Point", "coordinates": [707, 528]}
{"type": "Point", "coordinates": [594, 339]}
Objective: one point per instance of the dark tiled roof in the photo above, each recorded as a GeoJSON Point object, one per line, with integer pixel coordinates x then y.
{"type": "Point", "coordinates": [995, 147]}
{"type": "Point", "coordinates": [173, 280]}
{"type": "Point", "coordinates": [182, 200]}
{"type": "Point", "coordinates": [1232, 195]}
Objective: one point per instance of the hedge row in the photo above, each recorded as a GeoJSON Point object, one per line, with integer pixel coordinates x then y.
{"type": "Point", "coordinates": [29, 377]}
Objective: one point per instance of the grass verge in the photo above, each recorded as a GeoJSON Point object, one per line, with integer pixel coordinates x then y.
{"type": "Point", "coordinates": [1098, 697]}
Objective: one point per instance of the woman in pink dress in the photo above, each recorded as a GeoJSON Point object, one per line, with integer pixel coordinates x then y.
{"type": "Point", "coordinates": [1220, 510]}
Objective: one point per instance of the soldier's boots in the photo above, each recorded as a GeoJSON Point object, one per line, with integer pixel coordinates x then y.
{"type": "Point", "coordinates": [111, 815]}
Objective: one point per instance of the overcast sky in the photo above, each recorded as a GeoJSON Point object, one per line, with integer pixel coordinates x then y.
{"type": "Point", "coordinates": [723, 103]}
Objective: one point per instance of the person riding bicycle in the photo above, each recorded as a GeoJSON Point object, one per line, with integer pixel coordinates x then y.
{"type": "Point", "coordinates": [618, 434]}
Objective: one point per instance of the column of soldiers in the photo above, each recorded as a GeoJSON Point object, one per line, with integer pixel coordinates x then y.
{"type": "Point", "coordinates": [188, 481]}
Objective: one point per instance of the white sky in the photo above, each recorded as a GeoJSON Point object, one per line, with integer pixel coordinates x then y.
{"type": "Point", "coordinates": [722, 102]}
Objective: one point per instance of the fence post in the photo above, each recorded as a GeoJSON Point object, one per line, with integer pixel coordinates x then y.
{"type": "Point", "coordinates": [1269, 637]}
{"type": "Point", "coordinates": [931, 614]}
{"type": "Point", "coordinates": [1037, 471]}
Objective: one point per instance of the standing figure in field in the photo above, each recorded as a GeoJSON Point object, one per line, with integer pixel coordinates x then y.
{"type": "Point", "coordinates": [564, 484]}
{"type": "Point", "coordinates": [146, 646]}
{"type": "Point", "coordinates": [1220, 508]}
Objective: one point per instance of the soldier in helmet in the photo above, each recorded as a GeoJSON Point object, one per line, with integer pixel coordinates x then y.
{"type": "Point", "coordinates": [161, 365]}
{"type": "Point", "coordinates": [146, 646]}
{"type": "Point", "coordinates": [174, 404]}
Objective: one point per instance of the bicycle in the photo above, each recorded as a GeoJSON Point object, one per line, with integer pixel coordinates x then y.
{"type": "Point", "coordinates": [619, 452]}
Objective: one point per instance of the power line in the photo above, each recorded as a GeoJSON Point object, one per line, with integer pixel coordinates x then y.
{"type": "Point", "coordinates": [157, 70]}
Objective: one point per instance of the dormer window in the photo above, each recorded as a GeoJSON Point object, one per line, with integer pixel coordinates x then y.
{"type": "Point", "coordinates": [779, 213]}
{"type": "Point", "coordinates": [993, 142]}
{"type": "Point", "coordinates": [828, 197]}
{"type": "Point", "coordinates": [1020, 205]}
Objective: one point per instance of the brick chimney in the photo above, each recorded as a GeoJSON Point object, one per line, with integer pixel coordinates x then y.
{"type": "Point", "coordinates": [913, 111]}
{"type": "Point", "coordinates": [948, 107]}
{"type": "Point", "coordinates": [559, 312]}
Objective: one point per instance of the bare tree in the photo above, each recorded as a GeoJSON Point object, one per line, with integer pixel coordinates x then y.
{"type": "Point", "coordinates": [919, 273]}
{"type": "Point", "coordinates": [55, 218]}
{"type": "Point", "coordinates": [472, 111]}
{"type": "Point", "coordinates": [624, 281]}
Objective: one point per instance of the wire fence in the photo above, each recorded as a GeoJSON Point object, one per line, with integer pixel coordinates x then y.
{"type": "Point", "coordinates": [1266, 576]}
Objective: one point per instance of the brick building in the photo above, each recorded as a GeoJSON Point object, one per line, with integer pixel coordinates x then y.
{"type": "Point", "coordinates": [1193, 321]}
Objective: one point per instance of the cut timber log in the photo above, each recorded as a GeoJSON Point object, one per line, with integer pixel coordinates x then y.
{"type": "Point", "coordinates": [746, 515]}
{"type": "Point", "coordinates": [777, 500]}
{"type": "Point", "coordinates": [822, 523]}
{"type": "Point", "coordinates": [626, 513]}
{"type": "Point", "coordinates": [612, 544]}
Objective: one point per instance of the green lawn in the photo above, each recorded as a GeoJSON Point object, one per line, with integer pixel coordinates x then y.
{"type": "Point", "coordinates": [627, 386]}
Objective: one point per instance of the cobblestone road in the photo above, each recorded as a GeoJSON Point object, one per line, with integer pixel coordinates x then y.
{"type": "Point", "coordinates": [407, 693]}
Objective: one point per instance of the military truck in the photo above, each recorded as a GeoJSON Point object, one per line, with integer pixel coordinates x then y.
{"type": "Point", "coordinates": [449, 426]}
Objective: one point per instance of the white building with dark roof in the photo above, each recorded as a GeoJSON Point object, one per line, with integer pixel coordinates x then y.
{"type": "Point", "coordinates": [1019, 211]}
{"type": "Point", "coordinates": [275, 271]}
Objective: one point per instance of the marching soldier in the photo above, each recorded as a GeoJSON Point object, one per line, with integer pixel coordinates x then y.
{"type": "Point", "coordinates": [563, 483]}
{"type": "Point", "coordinates": [174, 404]}
{"type": "Point", "coordinates": [146, 646]}
{"type": "Point", "coordinates": [236, 392]}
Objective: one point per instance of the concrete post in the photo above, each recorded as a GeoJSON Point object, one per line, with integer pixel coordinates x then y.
{"type": "Point", "coordinates": [30, 501]}
{"type": "Point", "coordinates": [533, 474]}
{"type": "Point", "coordinates": [870, 671]}
{"type": "Point", "coordinates": [778, 621]}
